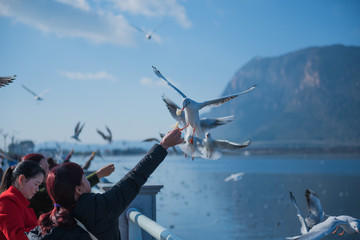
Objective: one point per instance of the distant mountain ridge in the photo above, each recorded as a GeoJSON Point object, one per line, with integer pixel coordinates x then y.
{"type": "Point", "coordinates": [310, 95]}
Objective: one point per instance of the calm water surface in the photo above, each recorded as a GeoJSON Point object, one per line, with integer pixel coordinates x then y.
{"type": "Point", "coordinates": [197, 203]}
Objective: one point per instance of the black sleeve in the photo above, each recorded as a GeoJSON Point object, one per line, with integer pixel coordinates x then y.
{"type": "Point", "coordinates": [124, 191]}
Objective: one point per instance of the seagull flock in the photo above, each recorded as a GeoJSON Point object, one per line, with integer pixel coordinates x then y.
{"type": "Point", "coordinates": [198, 141]}
{"type": "Point", "coordinates": [317, 225]}
{"type": "Point", "coordinates": [79, 127]}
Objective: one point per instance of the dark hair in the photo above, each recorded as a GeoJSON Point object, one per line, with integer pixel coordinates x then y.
{"type": "Point", "coordinates": [29, 169]}
{"type": "Point", "coordinates": [61, 183]}
{"type": "Point", "coordinates": [52, 163]}
{"type": "Point", "coordinates": [35, 157]}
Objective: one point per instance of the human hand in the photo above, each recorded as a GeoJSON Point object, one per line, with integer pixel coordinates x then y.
{"type": "Point", "coordinates": [105, 171]}
{"type": "Point", "coordinates": [172, 138]}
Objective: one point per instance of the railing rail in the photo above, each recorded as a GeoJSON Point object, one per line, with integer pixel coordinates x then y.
{"type": "Point", "coordinates": [150, 226]}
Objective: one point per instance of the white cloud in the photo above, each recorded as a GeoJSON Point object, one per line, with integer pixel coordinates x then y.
{"type": "Point", "coordinates": [80, 4]}
{"type": "Point", "coordinates": [154, 8]}
{"type": "Point", "coordinates": [102, 75]}
{"type": "Point", "coordinates": [97, 22]}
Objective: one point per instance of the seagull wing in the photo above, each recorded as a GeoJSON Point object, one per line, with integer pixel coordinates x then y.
{"type": "Point", "coordinates": [6, 80]}
{"type": "Point", "coordinates": [137, 28]}
{"type": "Point", "coordinates": [316, 212]}
{"type": "Point", "coordinates": [29, 90]}
{"type": "Point", "coordinates": [80, 129]}
{"type": "Point", "coordinates": [157, 72]}
{"type": "Point", "coordinates": [110, 134]}
{"type": "Point", "coordinates": [223, 144]}
{"type": "Point", "coordinates": [209, 123]}
{"type": "Point", "coordinates": [151, 140]}
{"type": "Point", "coordinates": [218, 101]}
{"type": "Point", "coordinates": [43, 92]}
{"type": "Point", "coordinates": [304, 228]}
{"type": "Point", "coordinates": [76, 130]}
{"type": "Point", "coordinates": [172, 107]}
{"type": "Point", "coordinates": [101, 133]}
{"type": "Point", "coordinates": [157, 28]}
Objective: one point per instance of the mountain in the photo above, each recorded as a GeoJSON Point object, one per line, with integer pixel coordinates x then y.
{"type": "Point", "coordinates": [307, 96]}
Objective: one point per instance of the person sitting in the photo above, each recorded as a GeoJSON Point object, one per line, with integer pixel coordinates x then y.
{"type": "Point", "coordinates": [79, 214]}
{"type": "Point", "coordinates": [41, 202]}
{"type": "Point", "coordinates": [19, 184]}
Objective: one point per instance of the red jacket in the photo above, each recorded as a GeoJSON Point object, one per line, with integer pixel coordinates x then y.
{"type": "Point", "coordinates": [15, 215]}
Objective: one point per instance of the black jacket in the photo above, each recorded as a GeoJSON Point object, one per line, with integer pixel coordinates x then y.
{"type": "Point", "coordinates": [100, 212]}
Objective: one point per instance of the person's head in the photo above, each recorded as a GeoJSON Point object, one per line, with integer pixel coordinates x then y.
{"type": "Point", "coordinates": [25, 176]}
{"type": "Point", "coordinates": [65, 184]}
{"type": "Point", "coordinates": [51, 162]}
{"type": "Point", "coordinates": [39, 159]}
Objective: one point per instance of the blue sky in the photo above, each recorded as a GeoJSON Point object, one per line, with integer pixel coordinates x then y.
{"type": "Point", "coordinates": [98, 67]}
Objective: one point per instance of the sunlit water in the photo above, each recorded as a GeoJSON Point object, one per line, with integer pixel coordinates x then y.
{"type": "Point", "coordinates": [197, 203]}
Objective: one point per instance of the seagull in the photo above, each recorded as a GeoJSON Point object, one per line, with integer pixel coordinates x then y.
{"type": "Point", "coordinates": [158, 141]}
{"type": "Point", "coordinates": [235, 177]}
{"type": "Point", "coordinates": [316, 216]}
{"type": "Point", "coordinates": [148, 35]}
{"type": "Point", "coordinates": [315, 211]}
{"type": "Point", "coordinates": [106, 137]}
{"type": "Point", "coordinates": [192, 108]}
{"type": "Point", "coordinates": [6, 80]}
{"type": "Point", "coordinates": [205, 123]}
{"type": "Point", "coordinates": [321, 229]}
{"type": "Point", "coordinates": [212, 147]}
{"type": "Point", "coordinates": [36, 96]}
{"type": "Point", "coordinates": [77, 131]}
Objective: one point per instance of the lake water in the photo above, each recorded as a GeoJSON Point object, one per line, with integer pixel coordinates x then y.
{"type": "Point", "coordinates": [197, 203]}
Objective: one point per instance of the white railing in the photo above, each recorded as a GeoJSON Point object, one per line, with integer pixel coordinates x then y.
{"type": "Point", "coordinates": [150, 226]}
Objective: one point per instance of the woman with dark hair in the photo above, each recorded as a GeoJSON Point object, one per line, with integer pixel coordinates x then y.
{"type": "Point", "coordinates": [41, 202]}
{"type": "Point", "coordinates": [79, 214]}
{"type": "Point", "coordinates": [19, 184]}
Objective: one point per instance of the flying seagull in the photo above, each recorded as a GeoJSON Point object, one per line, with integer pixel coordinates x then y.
{"type": "Point", "coordinates": [6, 80]}
{"type": "Point", "coordinates": [205, 123]}
{"type": "Point", "coordinates": [192, 108]}
{"type": "Point", "coordinates": [314, 226]}
{"type": "Point", "coordinates": [212, 148]}
{"type": "Point", "coordinates": [106, 137]}
{"type": "Point", "coordinates": [234, 177]}
{"type": "Point", "coordinates": [148, 35]}
{"type": "Point", "coordinates": [321, 229]}
{"type": "Point", "coordinates": [36, 96]}
{"type": "Point", "coordinates": [77, 131]}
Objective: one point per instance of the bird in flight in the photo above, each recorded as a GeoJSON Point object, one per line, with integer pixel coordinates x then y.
{"type": "Point", "coordinates": [316, 225]}
{"type": "Point", "coordinates": [192, 107]}
{"type": "Point", "coordinates": [106, 137]}
{"type": "Point", "coordinates": [6, 80]}
{"type": "Point", "coordinates": [212, 148]}
{"type": "Point", "coordinates": [37, 97]}
{"type": "Point", "coordinates": [205, 123]}
{"type": "Point", "coordinates": [77, 131]}
{"type": "Point", "coordinates": [148, 35]}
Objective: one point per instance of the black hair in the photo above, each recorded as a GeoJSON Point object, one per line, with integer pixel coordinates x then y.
{"type": "Point", "coordinates": [27, 168]}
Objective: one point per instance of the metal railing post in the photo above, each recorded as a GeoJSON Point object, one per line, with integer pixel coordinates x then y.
{"type": "Point", "coordinates": [150, 226]}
